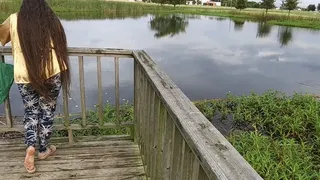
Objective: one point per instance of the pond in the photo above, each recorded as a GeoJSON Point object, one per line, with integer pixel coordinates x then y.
{"type": "Point", "coordinates": [207, 57]}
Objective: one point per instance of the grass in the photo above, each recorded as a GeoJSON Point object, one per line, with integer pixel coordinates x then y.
{"type": "Point", "coordinates": [75, 9]}
{"type": "Point", "coordinates": [278, 135]}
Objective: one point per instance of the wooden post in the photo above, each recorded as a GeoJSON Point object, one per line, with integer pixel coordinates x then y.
{"type": "Point", "coordinates": [137, 99]}
{"type": "Point", "coordinates": [161, 141]}
{"type": "Point", "coordinates": [155, 133]}
{"type": "Point", "coordinates": [147, 128]}
{"type": "Point", "coordinates": [167, 146]}
{"type": "Point", "coordinates": [82, 92]}
{"type": "Point", "coordinates": [100, 94]}
{"type": "Point", "coordinates": [176, 150]}
{"type": "Point", "coordinates": [117, 85]}
{"type": "Point", "coordinates": [190, 165]}
{"type": "Point", "coordinates": [150, 130]}
{"type": "Point", "coordinates": [143, 106]}
{"type": "Point", "coordinates": [66, 114]}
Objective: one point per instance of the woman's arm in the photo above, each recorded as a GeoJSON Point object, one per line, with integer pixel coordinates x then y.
{"type": "Point", "coordinates": [5, 32]}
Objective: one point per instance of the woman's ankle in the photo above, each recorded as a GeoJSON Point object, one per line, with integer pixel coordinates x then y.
{"type": "Point", "coordinates": [31, 150]}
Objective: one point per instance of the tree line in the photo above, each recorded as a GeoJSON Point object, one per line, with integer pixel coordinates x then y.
{"type": "Point", "coordinates": [312, 7]}
{"type": "Point", "coordinates": [173, 2]}
{"type": "Point", "coordinates": [242, 4]}
{"type": "Point", "coordinates": [264, 4]}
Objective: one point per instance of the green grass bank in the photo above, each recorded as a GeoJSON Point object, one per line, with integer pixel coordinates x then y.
{"type": "Point", "coordinates": [75, 9]}
{"type": "Point", "coordinates": [279, 135]}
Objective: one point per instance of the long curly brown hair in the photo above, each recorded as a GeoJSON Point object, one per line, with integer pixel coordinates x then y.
{"type": "Point", "coordinates": [40, 31]}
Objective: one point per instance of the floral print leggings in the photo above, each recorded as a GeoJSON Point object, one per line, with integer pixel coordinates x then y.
{"type": "Point", "coordinates": [39, 113]}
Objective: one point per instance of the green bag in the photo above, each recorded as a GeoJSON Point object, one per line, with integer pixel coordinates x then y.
{"type": "Point", "coordinates": [6, 80]}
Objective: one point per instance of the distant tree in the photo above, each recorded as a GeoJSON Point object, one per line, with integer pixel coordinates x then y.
{"type": "Point", "coordinates": [267, 4]}
{"type": "Point", "coordinates": [241, 4]}
{"type": "Point", "coordinates": [291, 4]}
{"type": "Point", "coordinates": [177, 2]}
{"type": "Point", "coordinates": [160, 1]}
{"type": "Point", "coordinates": [224, 2]}
{"type": "Point", "coordinates": [318, 7]}
{"type": "Point", "coordinates": [230, 3]}
{"type": "Point", "coordinates": [283, 5]}
{"type": "Point", "coordinates": [199, 2]}
{"type": "Point", "coordinates": [156, 1]}
{"type": "Point", "coordinates": [311, 7]}
{"type": "Point", "coordinates": [253, 4]}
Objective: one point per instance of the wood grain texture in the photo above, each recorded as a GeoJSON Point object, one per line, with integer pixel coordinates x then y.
{"type": "Point", "coordinates": [136, 101]}
{"type": "Point", "coordinates": [108, 159]}
{"type": "Point", "coordinates": [148, 111]}
{"type": "Point", "coordinates": [140, 110]}
{"type": "Point", "coordinates": [65, 113]}
{"type": "Point", "coordinates": [117, 89]}
{"type": "Point", "coordinates": [161, 140]}
{"type": "Point", "coordinates": [168, 147]}
{"type": "Point", "coordinates": [190, 165]}
{"type": "Point", "coordinates": [218, 158]}
{"type": "Point", "coordinates": [155, 135]}
{"type": "Point", "coordinates": [176, 161]}
{"type": "Point", "coordinates": [100, 91]}
{"type": "Point", "coordinates": [144, 114]}
{"type": "Point", "coordinates": [82, 92]}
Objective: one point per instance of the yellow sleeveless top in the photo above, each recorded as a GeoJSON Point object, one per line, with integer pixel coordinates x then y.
{"type": "Point", "coordinates": [8, 32]}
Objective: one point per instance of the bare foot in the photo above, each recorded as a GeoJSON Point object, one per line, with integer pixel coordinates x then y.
{"type": "Point", "coordinates": [29, 159]}
{"type": "Point", "coordinates": [50, 151]}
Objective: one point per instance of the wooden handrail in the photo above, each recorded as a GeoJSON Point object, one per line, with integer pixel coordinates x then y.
{"type": "Point", "coordinates": [80, 53]}
{"type": "Point", "coordinates": [186, 130]}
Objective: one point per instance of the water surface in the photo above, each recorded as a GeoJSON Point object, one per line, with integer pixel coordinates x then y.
{"type": "Point", "coordinates": [206, 57]}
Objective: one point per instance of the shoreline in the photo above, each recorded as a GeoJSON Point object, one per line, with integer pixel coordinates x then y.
{"type": "Point", "coordinates": [300, 19]}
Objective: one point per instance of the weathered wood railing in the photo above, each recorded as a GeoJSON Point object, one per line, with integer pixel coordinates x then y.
{"type": "Point", "coordinates": [175, 139]}
{"type": "Point", "coordinates": [80, 53]}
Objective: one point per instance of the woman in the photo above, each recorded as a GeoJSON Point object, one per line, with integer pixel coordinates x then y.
{"type": "Point", "coordinates": [41, 67]}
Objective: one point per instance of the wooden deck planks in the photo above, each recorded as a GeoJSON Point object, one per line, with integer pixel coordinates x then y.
{"type": "Point", "coordinates": [117, 158]}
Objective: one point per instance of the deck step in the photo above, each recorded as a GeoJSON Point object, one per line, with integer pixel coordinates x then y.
{"type": "Point", "coordinates": [105, 158]}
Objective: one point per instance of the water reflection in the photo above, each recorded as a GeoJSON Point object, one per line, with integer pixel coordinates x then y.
{"type": "Point", "coordinates": [217, 18]}
{"type": "Point", "coordinates": [205, 61]}
{"type": "Point", "coordinates": [284, 35]}
{"type": "Point", "coordinates": [169, 25]}
{"type": "Point", "coordinates": [238, 25]}
{"type": "Point", "coordinates": [263, 30]}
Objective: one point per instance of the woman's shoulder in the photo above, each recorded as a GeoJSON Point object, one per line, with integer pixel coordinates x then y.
{"type": "Point", "coordinates": [13, 15]}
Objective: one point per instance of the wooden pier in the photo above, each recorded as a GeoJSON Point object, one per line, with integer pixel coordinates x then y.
{"type": "Point", "coordinates": [170, 138]}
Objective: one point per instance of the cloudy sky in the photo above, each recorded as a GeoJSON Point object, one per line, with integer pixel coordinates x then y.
{"type": "Point", "coordinates": [303, 3]}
